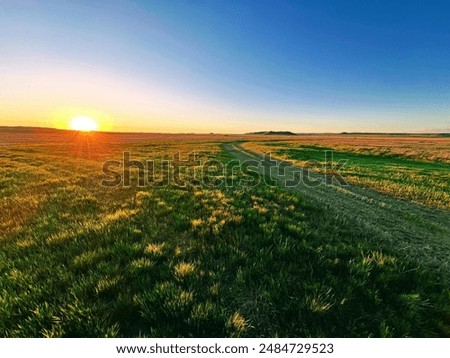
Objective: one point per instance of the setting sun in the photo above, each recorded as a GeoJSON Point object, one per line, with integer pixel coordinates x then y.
{"type": "Point", "coordinates": [83, 123]}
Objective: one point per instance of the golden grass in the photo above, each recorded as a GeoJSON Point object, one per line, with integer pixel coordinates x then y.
{"type": "Point", "coordinates": [429, 147]}
{"type": "Point", "coordinates": [184, 269]}
{"type": "Point", "coordinates": [408, 167]}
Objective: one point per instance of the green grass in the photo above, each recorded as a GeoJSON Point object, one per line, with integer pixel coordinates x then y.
{"type": "Point", "coordinates": [424, 182]}
{"type": "Point", "coordinates": [242, 261]}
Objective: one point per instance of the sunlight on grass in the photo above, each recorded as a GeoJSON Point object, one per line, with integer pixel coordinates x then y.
{"type": "Point", "coordinates": [184, 269]}
{"type": "Point", "coordinates": [81, 260]}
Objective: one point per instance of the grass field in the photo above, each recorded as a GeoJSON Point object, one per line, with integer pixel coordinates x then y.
{"type": "Point", "coordinates": [413, 168]}
{"type": "Point", "coordinates": [79, 259]}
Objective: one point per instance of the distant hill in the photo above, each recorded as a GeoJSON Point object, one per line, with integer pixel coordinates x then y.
{"type": "Point", "coordinates": [273, 133]}
{"type": "Point", "coordinates": [25, 129]}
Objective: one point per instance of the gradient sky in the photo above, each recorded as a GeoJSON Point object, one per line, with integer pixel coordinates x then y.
{"type": "Point", "coordinates": [227, 66]}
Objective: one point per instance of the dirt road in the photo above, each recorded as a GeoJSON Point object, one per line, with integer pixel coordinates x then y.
{"type": "Point", "coordinates": [420, 233]}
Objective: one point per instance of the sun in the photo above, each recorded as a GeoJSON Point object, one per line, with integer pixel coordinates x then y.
{"type": "Point", "coordinates": [83, 123]}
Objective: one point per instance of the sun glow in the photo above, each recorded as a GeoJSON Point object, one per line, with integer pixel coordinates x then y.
{"type": "Point", "coordinates": [83, 123]}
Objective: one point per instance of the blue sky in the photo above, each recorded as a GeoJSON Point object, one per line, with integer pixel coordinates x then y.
{"type": "Point", "coordinates": [229, 66]}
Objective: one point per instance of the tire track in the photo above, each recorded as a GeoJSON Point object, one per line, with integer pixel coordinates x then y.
{"type": "Point", "coordinates": [420, 233]}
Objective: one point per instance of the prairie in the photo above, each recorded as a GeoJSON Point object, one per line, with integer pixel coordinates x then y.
{"type": "Point", "coordinates": [409, 167]}
{"type": "Point", "coordinates": [217, 256]}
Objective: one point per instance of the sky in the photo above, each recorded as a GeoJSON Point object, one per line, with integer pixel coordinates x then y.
{"type": "Point", "coordinates": [227, 66]}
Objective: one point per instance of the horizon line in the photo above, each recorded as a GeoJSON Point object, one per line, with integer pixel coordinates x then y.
{"type": "Point", "coordinates": [256, 132]}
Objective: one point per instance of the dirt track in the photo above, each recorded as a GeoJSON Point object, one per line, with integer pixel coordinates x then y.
{"type": "Point", "coordinates": [415, 231]}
